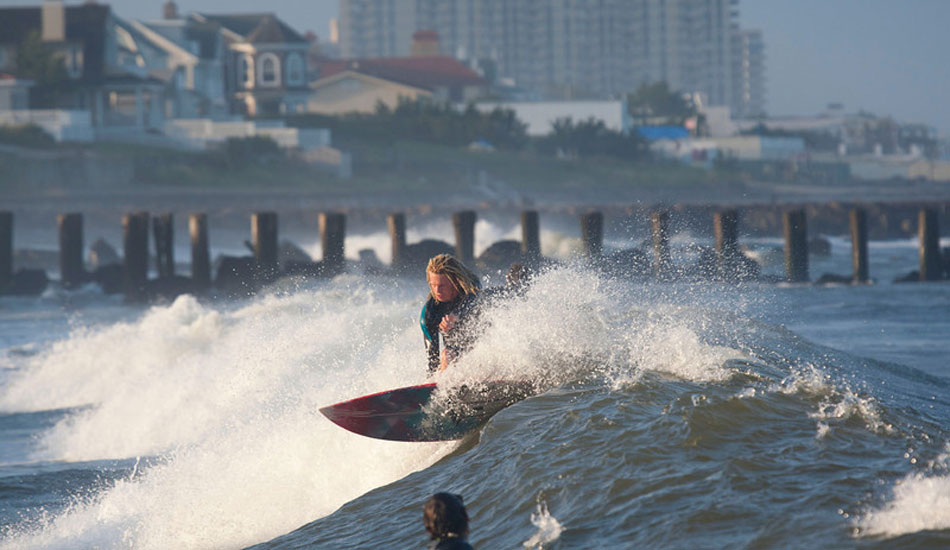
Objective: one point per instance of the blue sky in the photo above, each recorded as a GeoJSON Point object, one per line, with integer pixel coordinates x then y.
{"type": "Point", "coordinates": [884, 56]}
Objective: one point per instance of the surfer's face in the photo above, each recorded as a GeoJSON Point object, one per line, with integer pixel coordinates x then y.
{"type": "Point", "coordinates": [442, 287]}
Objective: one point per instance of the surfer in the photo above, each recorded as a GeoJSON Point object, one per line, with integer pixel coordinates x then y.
{"type": "Point", "coordinates": [453, 289]}
{"type": "Point", "coordinates": [446, 521]}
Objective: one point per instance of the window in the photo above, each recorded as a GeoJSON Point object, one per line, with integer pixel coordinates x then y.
{"type": "Point", "coordinates": [295, 76]}
{"type": "Point", "coordinates": [73, 61]}
{"type": "Point", "coordinates": [246, 71]}
{"type": "Point", "coordinates": [269, 70]}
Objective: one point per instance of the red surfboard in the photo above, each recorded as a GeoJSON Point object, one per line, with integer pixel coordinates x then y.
{"type": "Point", "coordinates": [419, 413]}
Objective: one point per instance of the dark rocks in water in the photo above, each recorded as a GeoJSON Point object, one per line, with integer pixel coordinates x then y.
{"type": "Point", "coordinates": [819, 246]}
{"type": "Point", "coordinates": [236, 276]}
{"type": "Point", "coordinates": [27, 282]}
{"type": "Point", "coordinates": [168, 288]}
{"type": "Point", "coordinates": [101, 253]}
{"type": "Point", "coordinates": [912, 277]}
{"type": "Point", "coordinates": [108, 277]}
{"type": "Point", "coordinates": [311, 269]}
{"type": "Point", "coordinates": [369, 263]}
{"type": "Point", "coordinates": [500, 256]}
{"type": "Point", "coordinates": [740, 268]}
{"type": "Point", "coordinates": [706, 265]}
{"type": "Point", "coordinates": [288, 252]}
{"type": "Point", "coordinates": [416, 256]}
{"type": "Point", "coordinates": [28, 258]}
{"type": "Point", "coordinates": [834, 279]}
{"type": "Point", "coordinates": [631, 262]}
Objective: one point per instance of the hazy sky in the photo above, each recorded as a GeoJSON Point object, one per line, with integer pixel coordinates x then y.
{"type": "Point", "coordinates": [884, 56]}
{"type": "Point", "coordinates": [888, 57]}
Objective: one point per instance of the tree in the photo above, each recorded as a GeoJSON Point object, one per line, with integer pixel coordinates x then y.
{"type": "Point", "coordinates": [39, 62]}
{"type": "Point", "coordinates": [656, 101]}
{"type": "Point", "coordinates": [590, 137]}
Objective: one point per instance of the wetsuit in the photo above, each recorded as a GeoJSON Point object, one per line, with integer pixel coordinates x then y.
{"type": "Point", "coordinates": [459, 338]}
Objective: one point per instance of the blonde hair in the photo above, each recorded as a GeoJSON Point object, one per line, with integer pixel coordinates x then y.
{"type": "Point", "coordinates": [461, 276]}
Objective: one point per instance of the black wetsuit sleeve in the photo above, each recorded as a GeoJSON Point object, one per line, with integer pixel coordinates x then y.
{"type": "Point", "coordinates": [462, 337]}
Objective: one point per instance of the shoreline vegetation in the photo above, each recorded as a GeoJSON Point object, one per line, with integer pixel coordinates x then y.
{"type": "Point", "coordinates": [427, 153]}
{"type": "Point", "coordinates": [377, 166]}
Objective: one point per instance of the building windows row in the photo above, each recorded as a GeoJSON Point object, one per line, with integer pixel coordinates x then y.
{"type": "Point", "coordinates": [267, 72]}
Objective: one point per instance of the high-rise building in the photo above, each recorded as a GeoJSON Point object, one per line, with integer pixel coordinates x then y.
{"type": "Point", "coordinates": [563, 48]}
{"type": "Point", "coordinates": [748, 52]}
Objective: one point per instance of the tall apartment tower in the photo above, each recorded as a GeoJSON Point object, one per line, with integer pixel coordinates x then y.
{"type": "Point", "coordinates": [748, 51]}
{"type": "Point", "coordinates": [563, 48]}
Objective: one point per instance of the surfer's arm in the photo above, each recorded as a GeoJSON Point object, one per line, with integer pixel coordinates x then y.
{"type": "Point", "coordinates": [431, 338]}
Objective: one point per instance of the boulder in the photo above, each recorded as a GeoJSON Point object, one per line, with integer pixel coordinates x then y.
{"type": "Point", "coordinates": [416, 256]}
{"type": "Point", "coordinates": [288, 252]}
{"type": "Point", "coordinates": [108, 277]}
{"type": "Point", "coordinates": [102, 253]}
{"type": "Point", "coordinates": [27, 282]}
{"type": "Point", "coordinates": [500, 256]}
{"type": "Point", "coordinates": [236, 276]}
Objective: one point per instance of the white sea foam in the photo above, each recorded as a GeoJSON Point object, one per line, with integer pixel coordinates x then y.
{"type": "Point", "coordinates": [227, 399]}
{"type": "Point", "coordinates": [549, 528]}
{"type": "Point", "coordinates": [920, 502]}
{"type": "Point", "coordinates": [837, 401]}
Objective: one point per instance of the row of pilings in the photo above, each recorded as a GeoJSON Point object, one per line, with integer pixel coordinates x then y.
{"type": "Point", "coordinates": [241, 276]}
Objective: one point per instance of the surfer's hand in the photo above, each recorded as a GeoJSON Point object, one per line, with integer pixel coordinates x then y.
{"type": "Point", "coordinates": [448, 323]}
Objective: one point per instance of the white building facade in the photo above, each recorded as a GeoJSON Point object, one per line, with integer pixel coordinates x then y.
{"type": "Point", "coordinates": [563, 49]}
{"type": "Point", "coordinates": [748, 53]}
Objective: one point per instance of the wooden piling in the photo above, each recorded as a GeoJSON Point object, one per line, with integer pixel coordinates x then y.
{"type": "Point", "coordinates": [397, 236]}
{"type": "Point", "coordinates": [200, 254]}
{"type": "Point", "coordinates": [332, 237]}
{"type": "Point", "coordinates": [135, 246]}
{"type": "Point", "coordinates": [858, 221]}
{"type": "Point", "coordinates": [71, 267]}
{"type": "Point", "coordinates": [928, 231]}
{"type": "Point", "coordinates": [464, 223]}
{"type": "Point", "coordinates": [530, 236]}
{"type": "Point", "coordinates": [6, 249]}
{"type": "Point", "coordinates": [592, 234]}
{"type": "Point", "coordinates": [660, 228]}
{"type": "Point", "coordinates": [796, 246]}
{"type": "Point", "coordinates": [163, 232]}
{"type": "Point", "coordinates": [264, 244]}
{"type": "Point", "coordinates": [726, 230]}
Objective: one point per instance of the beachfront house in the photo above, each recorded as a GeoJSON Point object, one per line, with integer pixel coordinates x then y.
{"type": "Point", "coordinates": [14, 92]}
{"type": "Point", "coordinates": [120, 80]}
{"type": "Point", "coordinates": [265, 63]}
{"type": "Point", "coordinates": [358, 85]}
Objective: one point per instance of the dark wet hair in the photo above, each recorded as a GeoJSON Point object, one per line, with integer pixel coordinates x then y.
{"type": "Point", "coordinates": [444, 516]}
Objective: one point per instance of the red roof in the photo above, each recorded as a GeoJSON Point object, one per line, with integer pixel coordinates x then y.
{"type": "Point", "coordinates": [428, 73]}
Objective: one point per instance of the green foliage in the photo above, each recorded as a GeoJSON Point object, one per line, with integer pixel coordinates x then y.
{"type": "Point", "coordinates": [38, 61]}
{"type": "Point", "coordinates": [591, 137]}
{"type": "Point", "coordinates": [426, 121]}
{"type": "Point", "coordinates": [656, 101]}
{"type": "Point", "coordinates": [237, 153]}
{"type": "Point", "coordinates": [28, 135]}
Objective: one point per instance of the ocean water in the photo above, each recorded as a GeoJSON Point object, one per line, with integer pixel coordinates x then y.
{"type": "Point", "coordinates": [681, 415]}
